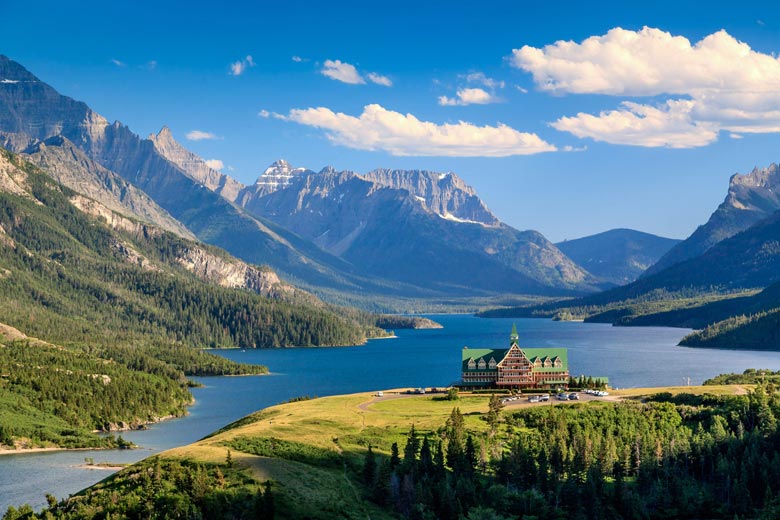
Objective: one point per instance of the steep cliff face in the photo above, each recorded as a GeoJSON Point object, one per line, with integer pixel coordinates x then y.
{"type": "Point", "coordinates": [208, 265]}
{"type": "Point", "coordinates": [70, 166]}
{"type": "Point", "coordinates": [445, 194]}
{"type": "Point", "coordinates": [32, 108]}
{"type": "Point", "coordinates": [276, 177]}
{"type": "Point", "coordinates": [12, 179]}
{"type": "Point", "coordinates": [195, 167]}
{"type": "Point", "coordinates": [751, 197]}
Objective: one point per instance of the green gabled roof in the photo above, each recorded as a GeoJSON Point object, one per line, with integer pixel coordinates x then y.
{"type": "Point", "coordinates": [552, 353]}
{"type": "Point", "coordinates": [531, 353]}
{"type": "Point", "coordinates": [486, 353]}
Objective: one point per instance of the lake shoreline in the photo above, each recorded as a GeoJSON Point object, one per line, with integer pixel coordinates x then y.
{"type": "Point", "coordinates": [25, 451]}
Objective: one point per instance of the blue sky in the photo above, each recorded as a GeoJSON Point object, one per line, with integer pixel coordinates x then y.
{"type": "Point", "coordinates": [622, 127]}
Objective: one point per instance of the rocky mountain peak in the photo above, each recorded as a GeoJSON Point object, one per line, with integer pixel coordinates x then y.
{"type": "Point", "coordinates": [444, 194]}
{"type": "Point", "coordinates": [194, 166]}
{"type": "Point", "coordinates": [164, 135]}
{"type": "Point", "coordinates": [12, 72]}
{"type": "Point", "coordinates": [279, 165]}
{"type": "Point", "coordinates": [757, 190]}
{"type": "Point", "coordinates": [768, 177]}
{"type": "Point", "coordinates": [279, 169]}
{"type": "Point", "coordinates": [751, 197]}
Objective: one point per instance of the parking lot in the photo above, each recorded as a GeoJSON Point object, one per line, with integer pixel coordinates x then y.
{"type": "Point", "coordinates": [539, 399]}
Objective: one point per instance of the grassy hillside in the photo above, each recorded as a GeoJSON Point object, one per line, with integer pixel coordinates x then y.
{"type": "Point", "coordinates": [704, 453]}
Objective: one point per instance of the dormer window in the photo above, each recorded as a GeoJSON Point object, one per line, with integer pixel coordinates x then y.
{"type": "Point", "coordinates": [472, 365]}
{"type": "Point", "coordinates": [481, 364]}
{"type": "Point", "coordinates": [492, 364]}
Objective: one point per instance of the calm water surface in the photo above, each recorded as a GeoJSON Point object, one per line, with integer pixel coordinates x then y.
{"type": "Point", "coordinates": [630, 357]}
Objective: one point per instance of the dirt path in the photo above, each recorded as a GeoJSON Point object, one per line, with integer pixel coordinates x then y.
{"type": "Point", "coordinates": [387, 397]}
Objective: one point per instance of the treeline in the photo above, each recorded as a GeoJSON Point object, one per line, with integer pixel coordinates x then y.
{"type": "Point", "coordinates": [750, 376]}
{"type": "Point", "coordinates": [162, 489]}
{"type": "Point", "coordinates": [670, 457]}
{"type": "Point", "coordinates": [755, 332]}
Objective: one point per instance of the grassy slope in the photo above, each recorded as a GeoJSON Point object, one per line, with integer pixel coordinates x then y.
{"type": "Point", "coordinates": [339, 428]}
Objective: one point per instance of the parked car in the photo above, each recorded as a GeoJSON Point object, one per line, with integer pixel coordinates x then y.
{"type": "Point", "coordinates": [534, 399]}
{"type": "Point", "coordinates": [602, 393]}
{"type": "Point", "coordinates": [563, 397]}
{"type": "Point", "coordinates": [544, 397]}
{"type": "Point", "coordinates": [574, 396]}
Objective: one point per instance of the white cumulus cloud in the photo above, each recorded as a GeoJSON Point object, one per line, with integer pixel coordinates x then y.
{"type": "Point", "coordinates": [348, 73]}
{"type": "Point", "coordinates": [669, 125]}
{"type": "Point", "coordinates": [200, 135]}
{"type": "Point", "coordinates": [480, 78]}
{"type": "Point", "coordinates": [239, 67]}
{"type": "Point", "coordinates": [341, 71]}
{"type": "Point", "coordinates": [469, 96]}
{"type": "Point", "coordinates": [215, 164]}
{"type": "Point", "coordinates": [404, 135]}
{"type": "Point", "coordinates": [373, 77]}
{"type": "Point", "coordinates": [726, 85]}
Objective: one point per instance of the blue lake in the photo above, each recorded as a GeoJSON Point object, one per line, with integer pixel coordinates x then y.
{"type": "Point", "coordinates": [630, 357]}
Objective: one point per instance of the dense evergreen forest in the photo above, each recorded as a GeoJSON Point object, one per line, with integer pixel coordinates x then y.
{"type": "Point", "coordinates": [756, 332]}
{"type": "Point", "coordinates": [669, 457]}
{"type": "Point", "coordinates": [666, 456]}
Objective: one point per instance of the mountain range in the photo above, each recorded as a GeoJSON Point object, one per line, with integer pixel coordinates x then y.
{"type": "Point", "coordinates": [723, 279]}
{"type": "Point", "coordinates": [406, 233]}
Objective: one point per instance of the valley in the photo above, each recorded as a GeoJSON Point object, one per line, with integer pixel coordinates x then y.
{"type": "Point", "coordinates": [433, 199]}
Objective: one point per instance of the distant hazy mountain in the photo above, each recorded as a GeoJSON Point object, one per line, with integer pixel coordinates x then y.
{"type": "Point", "coordinates": [618, 256]}
{"type": "Point", "coordinates": [422, 228]}
{"type": "Point", "coordinates": [751, 198]}
{"type": "Point", "coordinates": [747, 260]}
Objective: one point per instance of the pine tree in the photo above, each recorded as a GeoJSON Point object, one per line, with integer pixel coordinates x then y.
{"type": "Point", "coordinates": [395, 459]}
{"type": "Point", "coordinates": [369, 468]}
